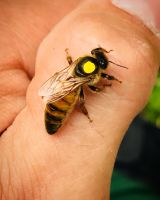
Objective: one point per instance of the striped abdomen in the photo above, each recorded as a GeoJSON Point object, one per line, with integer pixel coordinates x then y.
{"type": "Point", "coordinates": [56, 112]}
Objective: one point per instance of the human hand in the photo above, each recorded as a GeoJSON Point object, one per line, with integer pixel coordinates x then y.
{"type": "Point", "coordinates": [76, 162]}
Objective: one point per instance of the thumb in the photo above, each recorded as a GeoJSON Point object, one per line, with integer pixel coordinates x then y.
{"type": "Point", "coordinates": [121, 102]}
{"type": "Point", "coordinates": [78, 160]}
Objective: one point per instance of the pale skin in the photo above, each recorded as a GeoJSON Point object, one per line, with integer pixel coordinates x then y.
{"type": "Point", "coordinates": [77, 162]}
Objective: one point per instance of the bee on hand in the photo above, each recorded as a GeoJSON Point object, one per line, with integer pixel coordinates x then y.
{"type": "Point", "coordinates": [65, 88]}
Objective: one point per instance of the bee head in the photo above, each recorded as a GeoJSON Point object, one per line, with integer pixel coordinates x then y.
{"type": "Point", "coordinates": [102, 60]}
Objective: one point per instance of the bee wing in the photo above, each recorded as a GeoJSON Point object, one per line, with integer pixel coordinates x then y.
{"type": "Point", "coordinates": [61, 84]}
{"type": "Point", "coordinates": [50, 86]}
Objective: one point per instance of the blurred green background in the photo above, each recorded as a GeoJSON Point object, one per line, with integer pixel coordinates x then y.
{"type": "Point", "coordinates": [125, 188]}
{"type": "Point", "coordinates": [151, 112]}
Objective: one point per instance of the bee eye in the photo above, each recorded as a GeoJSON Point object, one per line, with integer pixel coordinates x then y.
{"type": "Point", "coordinates": [103, 63]}
{"type": "Point", "coordinates": [87, 66]}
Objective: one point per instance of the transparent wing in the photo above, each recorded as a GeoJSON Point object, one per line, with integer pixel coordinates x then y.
{"type": "Point", "coordinates": [61, 84]}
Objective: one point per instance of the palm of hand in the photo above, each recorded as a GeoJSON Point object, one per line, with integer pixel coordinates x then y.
{"type": "Point", "coordinates": [36, 165]}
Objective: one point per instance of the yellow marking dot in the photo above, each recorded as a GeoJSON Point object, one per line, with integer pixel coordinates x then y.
{"type": "Point", "coordinates": [89, 67]}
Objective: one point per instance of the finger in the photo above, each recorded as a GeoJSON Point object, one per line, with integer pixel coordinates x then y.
{"type": "Point", "coordinates": [13, 84]}
{"type": "Point", "coordinates": [18, 49]}
{"type": "Point", "coordinates": [78, 160]}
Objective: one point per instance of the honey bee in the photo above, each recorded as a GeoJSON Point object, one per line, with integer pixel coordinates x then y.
{"type": "Point", "coordinates": [62, 91]}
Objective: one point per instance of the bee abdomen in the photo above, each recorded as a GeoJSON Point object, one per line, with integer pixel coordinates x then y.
{"type": "Point", "coordinates": [56, 112]}
{"type": "Point", "coordinates": [53, 117]}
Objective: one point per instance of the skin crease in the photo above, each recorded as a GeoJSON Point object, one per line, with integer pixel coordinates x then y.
{"type": "Point", "coordinates": [77, 162]}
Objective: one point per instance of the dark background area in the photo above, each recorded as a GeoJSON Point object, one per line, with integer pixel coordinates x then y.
{"type": "Point", "coordinates": [137, 169]}
{"type": "Point", "coordinates": [136, 175]}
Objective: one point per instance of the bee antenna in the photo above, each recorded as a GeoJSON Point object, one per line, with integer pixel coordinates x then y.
{"type": "Point", "coordinates": [117, 64]}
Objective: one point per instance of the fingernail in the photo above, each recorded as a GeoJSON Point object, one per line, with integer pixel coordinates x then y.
{"type": "Point", "coordinates": [147, 10]}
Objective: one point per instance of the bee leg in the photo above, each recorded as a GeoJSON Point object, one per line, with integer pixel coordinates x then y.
{"type": "Point", "coordinates": [109, 77]}
{"type": "Point", "coordinates": [68, 56]}
{"type": "Point", "coordinates": [97, 89]}
{"type": "Point", "coordinates": [82, 105]}
{"type": "Point", "coordinates": [94, 88]}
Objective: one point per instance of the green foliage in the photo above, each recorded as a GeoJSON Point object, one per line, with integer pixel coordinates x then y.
{"type": "Point", "coordinates": [124, 187]}
{"type": "Point", "coordinates": [152, 110]}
